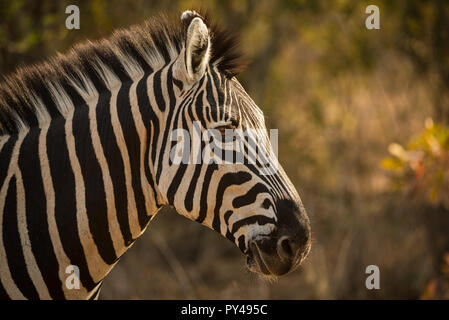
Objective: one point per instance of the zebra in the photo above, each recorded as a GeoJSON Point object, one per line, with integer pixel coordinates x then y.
{"type": "Point", "coordinates": [85, 158]}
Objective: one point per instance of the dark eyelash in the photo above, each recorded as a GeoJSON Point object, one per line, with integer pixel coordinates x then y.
{"type": "Point", "coordinates": [222, 130]}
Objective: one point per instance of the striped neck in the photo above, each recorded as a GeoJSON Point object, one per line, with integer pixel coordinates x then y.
{"type": "Point", "coordinates": [90, 178]}
{"type": "Point", "coordinates": [116, 139]}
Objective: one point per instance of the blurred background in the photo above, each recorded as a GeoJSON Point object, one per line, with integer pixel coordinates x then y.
{"type": "Point", "coordinates": [363, 121]}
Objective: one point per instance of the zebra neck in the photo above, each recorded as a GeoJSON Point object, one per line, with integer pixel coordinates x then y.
{"type": "Point", "coordinates": [110, 141]}
{"type": "Point", "coordinates": [83, 185]}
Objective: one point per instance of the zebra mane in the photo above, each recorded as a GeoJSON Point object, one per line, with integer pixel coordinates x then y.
{"type": "Point", "coordinates": [35, 94]}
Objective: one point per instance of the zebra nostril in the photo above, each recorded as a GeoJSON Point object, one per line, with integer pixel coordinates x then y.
{"type": "Point", "coordinates": [286, 248]}
{"type": "Point", "coordinates": [266, 204]}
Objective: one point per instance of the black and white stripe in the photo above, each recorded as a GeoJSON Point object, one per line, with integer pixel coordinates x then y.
{"type": "Point", "coordinates": [85, 146]}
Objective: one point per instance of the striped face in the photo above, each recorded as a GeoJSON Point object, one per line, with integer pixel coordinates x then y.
{"type": "Point", "coordinates": [218, 166]}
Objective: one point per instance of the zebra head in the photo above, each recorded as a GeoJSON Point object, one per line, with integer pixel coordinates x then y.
{"type": "Point", "coordinates": [250, 202]}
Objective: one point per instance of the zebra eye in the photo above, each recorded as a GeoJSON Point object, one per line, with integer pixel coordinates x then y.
{"type": "Point", "coordinates": [226, 130]}
{"type": "Point", "coordinates": [223, 129]}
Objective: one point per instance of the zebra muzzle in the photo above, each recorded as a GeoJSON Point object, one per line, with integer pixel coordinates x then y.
{"type": "Point", "coordinates": [284, 249]}
{"type": "Point", "coordinates": [276, 256]}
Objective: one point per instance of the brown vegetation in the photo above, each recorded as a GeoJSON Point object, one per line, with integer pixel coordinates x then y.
{"type": "Point", "coordinates": [351, 106]}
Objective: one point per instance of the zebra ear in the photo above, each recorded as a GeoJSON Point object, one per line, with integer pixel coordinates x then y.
{"type": "Point", "coordinates": [197, 46]}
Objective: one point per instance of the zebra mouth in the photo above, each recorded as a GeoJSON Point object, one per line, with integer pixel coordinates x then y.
{"type": "Point", "coordinates": [255, 261]}
{"type": "Point", "coordinates": [275, 256]}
